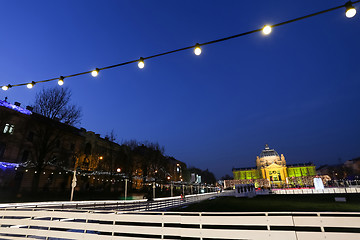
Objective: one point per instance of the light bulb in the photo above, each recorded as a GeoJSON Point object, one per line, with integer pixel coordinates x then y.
{"type": "Point", "coordinates": [95, 72]}
{"type": "Point", "coordinates": [266, 29]}
{"type": "Point", "coordinates": [61, 81]}
{"type": "Point", "coordinates": [197, 49]}
{"type": "Point", "coordinates": [141, 63]}
{"type": "Point", "coordinates": [350, 12]}
{"type": "Point", "coordinates": [30, 85]}
{"type": "Point", "coordinates": [5, 88]}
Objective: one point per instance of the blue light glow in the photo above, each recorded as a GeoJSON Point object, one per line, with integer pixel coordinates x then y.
{"type": "Point", "coordinates": [16, 108]}
{"type": "Point", "coordinates": [7, 165]}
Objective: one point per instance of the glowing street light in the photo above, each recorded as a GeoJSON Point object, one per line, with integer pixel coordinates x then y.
{"type": "Point", "coordinates": [118, 170]}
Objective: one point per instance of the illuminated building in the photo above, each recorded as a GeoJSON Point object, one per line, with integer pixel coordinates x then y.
{"type": "Point", "coordinates": [32, 145]}
{"type": "Point", "coordinates": [271, 168]}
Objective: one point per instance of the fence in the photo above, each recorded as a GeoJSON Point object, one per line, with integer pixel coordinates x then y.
{"type": "Point", "coordinates": [314, 191]}
{"type": "Point", "coordinates": [130, 205]}
{"type": "Point", "coordinates": [62, 224]}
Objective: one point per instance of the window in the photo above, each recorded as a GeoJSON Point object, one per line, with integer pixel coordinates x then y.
{"type": "Point", "coordinates": [9, 128]}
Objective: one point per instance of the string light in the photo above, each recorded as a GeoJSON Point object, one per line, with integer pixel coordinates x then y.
{"type": "Point", "coordinates": [350, 12]}
{"type": "Point", "coordinates": [61, 80]}
{"type": "Point", "coordinates": [141, 63]}
{"type": "Point", "coordinates": [197, 50]}
{"type": "Point", "coordinates": [30, 85]}
{"type": "Point", "coordinates": [95, 72]}
{"type": "Point", "coordinates": [266, 29]}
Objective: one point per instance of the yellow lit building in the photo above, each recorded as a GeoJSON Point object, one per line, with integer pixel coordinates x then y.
{"type": "Point", "coordinates": [271, 169]}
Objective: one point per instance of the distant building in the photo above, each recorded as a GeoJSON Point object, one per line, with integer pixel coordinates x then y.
{"type": "Point", "coordinates": [32, 145]}
{"type": "Point", "coordinates": [348, 170]}
{"type": "Point", "coordinates": [271, 169]}
{"type": "Point", "coordinates": [352, 167]}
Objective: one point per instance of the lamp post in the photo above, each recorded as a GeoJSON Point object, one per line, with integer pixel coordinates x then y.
{"type": "Point", "coordinates": [126, 180]}
{"type": "Point", "coordinates": [172, 189]}
{"type": "Point", "coordinates": [154, 187]}
{"type": "Point", "coordinates": [73, 185]}
{"type": "Point", "coordinates": [171, 186]}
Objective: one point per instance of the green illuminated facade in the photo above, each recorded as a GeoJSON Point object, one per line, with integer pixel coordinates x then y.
{"type": "Point", "coordinates": [272, 167]}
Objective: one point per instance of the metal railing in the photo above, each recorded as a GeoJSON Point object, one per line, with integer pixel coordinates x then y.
{"type": "Point", "coordinates": [130, 205]}
{"type": "Point", "coordinates": [334, 190]}
{"type": "Point", "coordinates": [68, 224]}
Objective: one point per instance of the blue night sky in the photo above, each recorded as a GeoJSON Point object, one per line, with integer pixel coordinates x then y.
{"type": "Point", "coordinates": [296, 89]}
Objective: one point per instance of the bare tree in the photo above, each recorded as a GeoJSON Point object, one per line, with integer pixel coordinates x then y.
{"type": "Point", "coordinates": [52, 104]}
{"type": "Point", "coordinates": [111, 136]}
{"type": "Point", "coordinates": [55, 103]}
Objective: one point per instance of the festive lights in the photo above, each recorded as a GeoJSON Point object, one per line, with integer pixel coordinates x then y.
{"type": "Point", "coordinates": [30, 85]}
{"type": "Point", "coordinates": [61, 80]}
{"type": "Point", "coordinates": [266, 29]}
{"type": "Point", "coordinates": [197, 49]}
{"type": "Point", "coordinates": [349, 12]}
{"type": "Point", "coordinates": [14, 107]}
{"type": "Point", "coordinates": [95, 72]}
{"type": "Point", "coordinates": [8, 165]}
{"type": "Point", "coordinates": [141, 63]}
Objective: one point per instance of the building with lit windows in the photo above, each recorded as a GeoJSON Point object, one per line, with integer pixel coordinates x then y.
{"type": "Point", "coordinates": [271, 169]}
{"type": "Point", "coordinates": [34, 146]}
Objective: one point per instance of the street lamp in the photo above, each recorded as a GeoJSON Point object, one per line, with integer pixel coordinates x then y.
{"type": "Point", "coordinates": [118, 170]}
{"type": "Point", "coordinates": [171, 186]}
{"type": "Point", "coordinates": [126, 180]}
{"type": "Point", "coordinates": [154, 188]}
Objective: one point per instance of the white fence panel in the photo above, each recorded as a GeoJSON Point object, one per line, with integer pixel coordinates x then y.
{"type": "Point", "coordinates": [90, 225]}
{"type": "Point", "coordinates": [315, 191]}
{"type": "Point", "coordinates": [327, 236]}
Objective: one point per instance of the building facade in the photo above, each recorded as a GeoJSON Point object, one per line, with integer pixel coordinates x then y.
{"type": "Point", "coordinates": [271, 169]}
{"type": "Point", "coordinates": [39, 153]}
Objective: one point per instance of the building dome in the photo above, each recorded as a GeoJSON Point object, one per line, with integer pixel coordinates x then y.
{"type": "Point", "coordinates": [269, 156]}
{"type": "Point", "coordinates": [267, 152]}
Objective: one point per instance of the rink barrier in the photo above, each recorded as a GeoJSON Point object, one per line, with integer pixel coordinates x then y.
{"type": "Point", "coordinates": [65, 224]}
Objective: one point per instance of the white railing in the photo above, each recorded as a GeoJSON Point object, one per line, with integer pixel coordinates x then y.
{"type": "Point", "coordinates": [81, 224]}
{"type": "Point", "coordinates": [130, 205]}
{"type": "Point", "coordinates": [335, 190]}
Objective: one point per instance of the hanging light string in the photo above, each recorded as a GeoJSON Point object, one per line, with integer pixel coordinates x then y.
{"type": "Point", "coordinates": [350, 12]}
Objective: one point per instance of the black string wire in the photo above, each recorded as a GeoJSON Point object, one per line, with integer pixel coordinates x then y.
{"type": "Point", "coordinates": [193, 46]}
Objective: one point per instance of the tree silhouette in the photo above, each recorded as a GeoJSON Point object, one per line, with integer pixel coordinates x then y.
{"type": "Point", "coordinates": [52, 122]}
{"type": "Point", "coordinates": [54, 103]}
